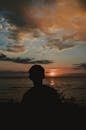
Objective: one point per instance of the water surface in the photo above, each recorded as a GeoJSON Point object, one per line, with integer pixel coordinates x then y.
{"type": "Point", "coordinates": [15, 88]}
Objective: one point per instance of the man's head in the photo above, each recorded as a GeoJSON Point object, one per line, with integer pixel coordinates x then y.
{"type": "Point", "coordinates": [36, 73]}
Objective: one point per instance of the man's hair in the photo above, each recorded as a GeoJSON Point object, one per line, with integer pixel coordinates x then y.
{"type": "Point", "coordinates": [36, 72]}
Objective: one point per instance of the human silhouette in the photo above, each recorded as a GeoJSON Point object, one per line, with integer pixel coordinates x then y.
{"type": "Point", "coordinates": [40, 96]}
{"type": "Point", "coordinates": [40, 102]}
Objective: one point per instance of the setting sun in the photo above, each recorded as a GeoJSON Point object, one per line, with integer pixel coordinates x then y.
{"type": "Point", "coordinates": [52, 72]}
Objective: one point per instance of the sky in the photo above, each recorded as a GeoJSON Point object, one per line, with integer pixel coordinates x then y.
{"type": "Point", "coordinates": [47, 32]}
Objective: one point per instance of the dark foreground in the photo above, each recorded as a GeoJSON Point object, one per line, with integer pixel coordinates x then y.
{"type": "Point", "coordinates": [20, 117]}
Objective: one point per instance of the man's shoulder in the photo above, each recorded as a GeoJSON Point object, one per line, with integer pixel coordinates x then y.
{"type": "Point", "coordinates": [48, 88]}
{"type": "Point", "coordinates": [29, 91]}
{"type": "Point", "coordinates": [42, 89]}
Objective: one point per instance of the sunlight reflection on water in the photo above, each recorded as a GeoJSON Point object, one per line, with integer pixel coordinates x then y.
{"type": "Point", "coordinates": [52, 83]}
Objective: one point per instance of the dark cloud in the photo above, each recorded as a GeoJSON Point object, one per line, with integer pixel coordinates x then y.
{"type": "Point", "coordinates": [9, 4]}
{"type": "Point", "coordinates": [23, 60]}
{"type": "Point", "coordinates": [41, 62]}
{"type": "Point", "coordinates": [43, 2]}
{"type": "Point", "coordinates": [16, 19]}
{"type": "Point", "coordinates": [31, 61]}
{"type": "Point", "coordinates": [16, 7]}
{"type": "Point", "coordinates": [2, 56]}
{"type": "Point", "coordinates": [82, 3]}
{"type": "Point", "coordinates": [12, 12]}
{"type": "Point", "coordinates": [81, 66]}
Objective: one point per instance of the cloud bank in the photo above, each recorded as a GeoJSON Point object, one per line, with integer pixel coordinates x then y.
{"type": "Point", "coordinates": [24, 60]}
{"type": "Point", "coordinates": [81, 66]}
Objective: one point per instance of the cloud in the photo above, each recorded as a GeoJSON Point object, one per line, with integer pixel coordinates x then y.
{"type": "Point", "coordinates": [10, 3]}
{"type": "Point", "coordinates": [3, 57]}
{"type": "Point", "coordinates": [17, 6]}
{"type": "Point", "coordinates": [41, 62]}
{"type": "Point", "coordinates": [13, 34]}
{"type": "Point", "coordinates": [16, 48]}
{"type": "Point", "coordinates": [81, 66]}
{"type": "Point", "coordinates": [20, 60]}
{"type": "Point", "coordinates": [14, 13]}
{"type": "Point", "coordinates": [23, 19]}
{"type": "Point", "coordinates": [57, 44]}
{"type": "Point", "coordinates": [43, 2]}
{"type": "Point", "coordinates": [82, 4]}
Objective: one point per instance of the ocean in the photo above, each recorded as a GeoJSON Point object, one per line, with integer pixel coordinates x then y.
{"type": "Point", "coordinates": [13, 89]}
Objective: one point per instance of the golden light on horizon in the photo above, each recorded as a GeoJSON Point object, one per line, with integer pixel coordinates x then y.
{"type": "Point", "coordinates": [52, 72]}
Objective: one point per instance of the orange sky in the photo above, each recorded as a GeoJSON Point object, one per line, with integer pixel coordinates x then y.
{"type": "Point", "coordinates": [49, 71]}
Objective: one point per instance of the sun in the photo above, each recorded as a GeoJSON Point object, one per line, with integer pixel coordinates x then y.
{"type": "Point", "coordinates": [52, 74]}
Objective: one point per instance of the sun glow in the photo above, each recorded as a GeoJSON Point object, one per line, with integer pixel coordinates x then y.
{"type": "Point", "coordinates": [52, 74]}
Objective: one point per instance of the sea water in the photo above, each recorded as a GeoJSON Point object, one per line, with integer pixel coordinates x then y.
{"type": "Point", "coordinates": [14, 88]}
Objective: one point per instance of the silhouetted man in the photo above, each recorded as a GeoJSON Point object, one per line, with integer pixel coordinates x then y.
{"type": "Point", "coordinates": [40, 96]}
{"type": "Point", "coordinates": [40, 102]}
